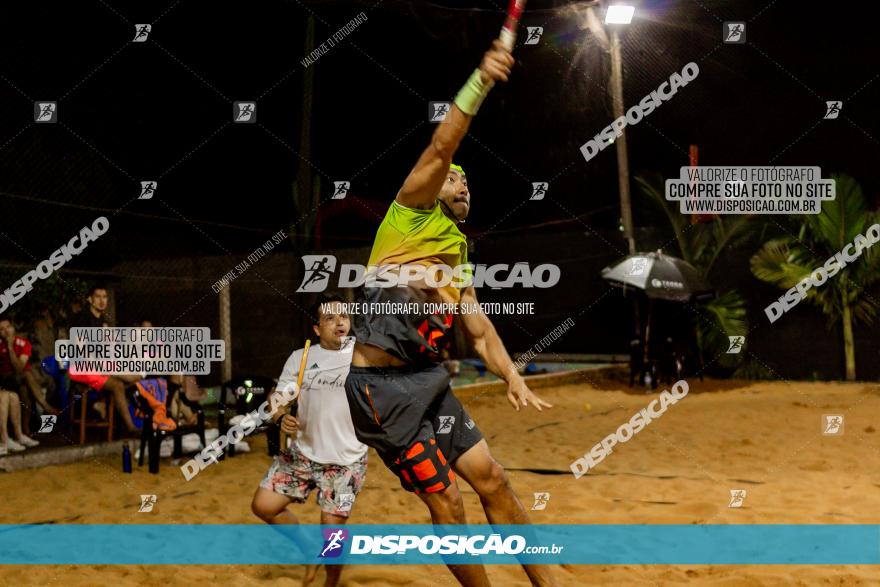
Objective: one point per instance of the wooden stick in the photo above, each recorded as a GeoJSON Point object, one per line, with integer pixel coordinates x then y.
{"type": "Point", "coordinates": [299, 380]}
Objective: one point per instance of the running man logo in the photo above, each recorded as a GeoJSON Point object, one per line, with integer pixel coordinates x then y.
{"type": "Point", "coordinates": [147, 503]}
{"type": "Point", "coordinates": [539, 189]}
{"type": "Point", "coordinates": [534, 35]}
{"type": "Point", "coordinates": [46, 112]}
{"type": "Point", "coordinates": [737, 497]}
{"type": "Point", "coordinates": [47, 424]}
{"type": "Point", "coordinates": [244, 112]}
{"type": "Point", "coordinates": [639, 264]}
{"type": "Point", "coordinates": [437, 111]}
{"type": "Point", "coordinates": [340, 190]}
{"type": "Point", "coordinates": [446, 424]}
{"type": "Point", "coordinates": [734, 33]}
{"type": "Point", "coordinates": [541, 500]}
{"type": "Point", "coordinates": [148, 188]}
{"type": "Point", "coordinates": [832, 425]}
{"type": "Point", "coordinates": [833, 109]}
{"type": "Point", "coordinates": [346, 501]}
{"type": "Point", "coordinates": [319, 268]}
{"type": "Point", "coordinates": [736, 344]}
{"type": "Point", "coordinates": [141, 32]}
{"type": "Point", "coordinates": [334, 540]}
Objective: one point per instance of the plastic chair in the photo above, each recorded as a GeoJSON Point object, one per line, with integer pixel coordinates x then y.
{"type": "Point", "coordinates": [153, 438]}
{"type": "Point", "coordinates": [83, 394]}
{"type": "Point", "coordinates": [241, 395]}
{"type": "Point", "coordinates": [72, 392]}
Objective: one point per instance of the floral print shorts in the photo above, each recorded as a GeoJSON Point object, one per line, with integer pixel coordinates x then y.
{"type": "Point", "coordinates": [295, 475]}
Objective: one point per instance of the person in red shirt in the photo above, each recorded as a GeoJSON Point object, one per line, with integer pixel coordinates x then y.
{"type": "Point", "coordinates": [93, 317]}
{"type": "Point", "coordinates": [15, 371]}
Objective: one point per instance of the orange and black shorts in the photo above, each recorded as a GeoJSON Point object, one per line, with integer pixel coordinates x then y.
{"type": "Point", "coordinates": [413, 420]}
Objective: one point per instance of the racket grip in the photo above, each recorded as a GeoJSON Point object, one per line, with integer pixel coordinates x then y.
{"type": "Point", "coordinates": [507, 38]}
{"type": "Point", "coordinates": [291, 410]}
{"type": "Point", "coordinates": [508, 31]}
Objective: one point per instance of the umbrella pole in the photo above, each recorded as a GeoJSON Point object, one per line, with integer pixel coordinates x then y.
{"type": "Point", "coordinates": [638, 318]}
{"type": "Point", "coordinates": [699, 340]}
{"type": "Point", "coordinates": [646, 358]}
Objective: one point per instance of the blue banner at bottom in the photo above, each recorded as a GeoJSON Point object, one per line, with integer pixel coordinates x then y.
{"type": "Point", "coordinates": [256, 544]}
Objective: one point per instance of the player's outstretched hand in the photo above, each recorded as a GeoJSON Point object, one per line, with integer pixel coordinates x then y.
{"type": "Point", "coordinates": [289, 424]}
{"type": "Point", "coordinates": [496, 64]}
{"type": "Point", "coordinates": [519, 394]}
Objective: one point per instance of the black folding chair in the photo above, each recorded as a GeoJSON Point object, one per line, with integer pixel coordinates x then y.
{"type": "Point", "coordinates": [153, 438]}
{"type": "Point", "coordinates": [240, 396]}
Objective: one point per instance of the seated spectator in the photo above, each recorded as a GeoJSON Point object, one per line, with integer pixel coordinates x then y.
{"type": "Point", "coordinates": [191, 390]}
{"type": "Point", "coordinates": [45, 333]}
{"type": "Point", "coordinates": [15, 371]}
{"type": "Point", "coordinates": [10, 409]}
{"type": "Point", "coordinates": [93, 317]}
{"type": "Point", "coordinates": [180, 412]}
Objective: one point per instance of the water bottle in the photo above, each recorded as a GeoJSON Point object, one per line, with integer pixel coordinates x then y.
{"type": "Point", "coordinates": [126, 458]}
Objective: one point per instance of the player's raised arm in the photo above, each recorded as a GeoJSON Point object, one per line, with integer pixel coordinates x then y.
{"type": "Point", "coordinates": [480, 330]}
{"type": "Point", "coordinates": [423, 183]}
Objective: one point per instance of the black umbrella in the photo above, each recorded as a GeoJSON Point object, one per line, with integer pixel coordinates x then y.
{"type": "Point", "coordinates": [659, 276]}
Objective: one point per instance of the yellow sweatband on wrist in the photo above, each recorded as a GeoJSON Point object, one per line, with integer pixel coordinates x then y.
{"type": "Point", "coordinates": [471, 94]}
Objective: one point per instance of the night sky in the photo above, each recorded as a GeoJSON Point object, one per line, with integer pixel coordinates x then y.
{"type": "Point", "coordinates": [162, 109]}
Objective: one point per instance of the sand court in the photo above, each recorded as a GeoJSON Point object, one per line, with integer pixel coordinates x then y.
{"type": "Point", "coordinates": [762, 437]}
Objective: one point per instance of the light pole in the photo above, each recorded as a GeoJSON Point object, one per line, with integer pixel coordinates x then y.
{"type": "Point", "coordinates": [615, 15]}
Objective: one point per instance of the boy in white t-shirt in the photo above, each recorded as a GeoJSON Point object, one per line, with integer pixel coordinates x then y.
{"type": "Point", "coordinates": [326, 454]}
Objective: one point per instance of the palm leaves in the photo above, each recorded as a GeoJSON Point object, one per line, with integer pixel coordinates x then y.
{"type": "Point", "coordinates": [701, 245]}
{"type": "Point", "coordinates": [786, 261]}
{"type": "Point", "coordinates": [723, 316]}
{"type": "Point", "coordinates": [698, 244]}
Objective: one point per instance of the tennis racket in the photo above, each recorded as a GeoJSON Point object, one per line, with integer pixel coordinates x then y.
{"type": "Point", "coordinates": [508, 31]}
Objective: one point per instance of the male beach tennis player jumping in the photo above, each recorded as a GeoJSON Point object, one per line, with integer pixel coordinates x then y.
{"type": "Point", "coordinates": [399, 394]}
